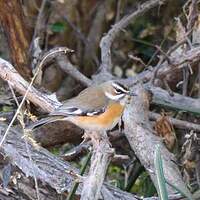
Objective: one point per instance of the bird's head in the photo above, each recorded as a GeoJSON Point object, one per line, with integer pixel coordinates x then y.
{"type": "Point", "coordinates": [117, 91]}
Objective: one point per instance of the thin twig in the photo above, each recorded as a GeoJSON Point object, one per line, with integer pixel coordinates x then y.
{"type": "Point", "coordinates": [40, 18]}
{"type": "Point", "coordinates": [21, 120]}
{"type": "Point", "coordinates": [167, 87]}
{"type": "Point", "coordinates": [108, 39]}
{"type": "Point", "coordinates": [86, 41]}
{"type": "Point", "coordinates": [77, 151]}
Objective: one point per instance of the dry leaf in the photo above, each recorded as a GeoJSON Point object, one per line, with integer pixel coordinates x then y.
{"type": "Point", "coordinates": [165, 130]}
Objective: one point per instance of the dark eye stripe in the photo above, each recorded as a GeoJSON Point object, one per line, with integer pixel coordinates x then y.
{"type": "Point", "coordinates": [118, 91]}
{"type": "Point", "coordinates": [119, 88]}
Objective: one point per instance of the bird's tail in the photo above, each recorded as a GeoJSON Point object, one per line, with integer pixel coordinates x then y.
{"type": "Point", "coordinates": [44, 121]}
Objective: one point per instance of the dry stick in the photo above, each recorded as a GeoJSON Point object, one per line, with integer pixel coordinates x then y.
{"type": "Point", "coordinates": [29, 87]}
{"type": "Point", "coordinates": [77, 151]}
{"type": "Point", "coordinates": [99, 163]}
{"type": "Point", "coordinates": [108, 39]}
{"type": "Point", "coordinates": [95, 32]}
{"type": "Point", "coordinates": [9, 74]}
{"type": "Point", "coordinates": [70, 69]}
{"type": "Point", "coordinates": [176, 102]}
{"type": "Point", "coordinates": [118, 10]}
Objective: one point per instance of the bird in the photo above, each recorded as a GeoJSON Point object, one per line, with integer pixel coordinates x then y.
{"type": "Point", "coordinates": [97, 108]}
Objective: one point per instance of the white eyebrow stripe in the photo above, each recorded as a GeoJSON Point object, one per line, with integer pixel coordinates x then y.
{"type": "Point", "coordinates": [116, 97]}
{"type": "Point", "coordinates": [119, 87]}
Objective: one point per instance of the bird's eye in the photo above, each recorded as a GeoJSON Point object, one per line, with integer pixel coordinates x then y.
{"type": "Point", "coordinates": [118, 91]}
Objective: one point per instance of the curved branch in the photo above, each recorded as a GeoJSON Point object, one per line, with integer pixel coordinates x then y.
{"type": "Point", "coordinates": [108, 39]}
{"type": "Point", "coordinates": [70, 69]}
{"type": "Point", "coordinates": [8, 73]}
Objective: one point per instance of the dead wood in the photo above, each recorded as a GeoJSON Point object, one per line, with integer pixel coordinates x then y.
{"type": "Point", "coordinates": [52, 173]}
{"type": "Point", "coordinates": [140, 135]}
{"type": "Point", "coordinates": [137, 127]}
{"type": "Point", "coordinates": [100, 160]}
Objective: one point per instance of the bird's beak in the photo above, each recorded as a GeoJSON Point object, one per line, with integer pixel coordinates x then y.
{"type": "Point", "coordinates": [132, 93]}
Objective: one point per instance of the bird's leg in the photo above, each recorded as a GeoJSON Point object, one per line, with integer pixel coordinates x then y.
{"type": "Point", "coordinates": [95, 137]}
{"type": "Point", "coordinates": [86, 137]}
{"type": "Point", "coordinates": [105, 137]}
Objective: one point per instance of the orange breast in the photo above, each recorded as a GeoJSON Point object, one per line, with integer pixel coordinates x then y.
{"type": "Point", "coordinates": [106, 120]}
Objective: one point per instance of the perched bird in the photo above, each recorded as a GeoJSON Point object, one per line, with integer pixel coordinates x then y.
{"type": "Point", "coordinates": [97, 108]}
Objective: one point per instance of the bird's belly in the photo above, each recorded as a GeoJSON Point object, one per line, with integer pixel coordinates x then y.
{"type": "Point", "coordinates": [102, 122]}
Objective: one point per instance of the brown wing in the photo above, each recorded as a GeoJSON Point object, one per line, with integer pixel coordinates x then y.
{"type": "Point", "coordinates": [86, 103]}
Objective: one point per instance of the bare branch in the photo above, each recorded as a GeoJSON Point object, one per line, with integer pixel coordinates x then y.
{"type": "Point", "coordinates": [70, 69]}
{"type": "Point", "coordinates": [41, 22]}
{"type": "Point", "coordinates": [165, 69]}
{"type": "Point", "coordinates": [99, 163]}
{"type": "Point", "coordinates": [177, 122]}
{"type": "Point", "coordinates": [8, 73]}
{"type": "Point", "coordinates": [108, 39]}
{"type": "Point", "coordinates": [177, 101]}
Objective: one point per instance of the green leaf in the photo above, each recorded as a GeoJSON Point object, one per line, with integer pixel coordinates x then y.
{"type": "Point", "coordinates": [58, 27]}
{"type": "Point", "coordinates": [162, 189]}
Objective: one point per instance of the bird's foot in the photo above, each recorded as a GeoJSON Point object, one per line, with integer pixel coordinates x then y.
{"type": "Point", "coordinates": [96, 137]}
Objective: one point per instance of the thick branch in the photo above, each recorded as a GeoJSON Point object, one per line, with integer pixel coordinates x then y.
{"type": "Point", "coordinates": [176, 102]}
{"type": "Point", "coordinates": [8, 73]}
{"type": "Point", "coordinates": [142, 140]}
{"type": "Point", "coordinates": [50, 170]}
{"type": "Point", "coordinates": [108, 39]}
{"type": "Point", "coordinates": [99, 163]}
